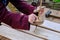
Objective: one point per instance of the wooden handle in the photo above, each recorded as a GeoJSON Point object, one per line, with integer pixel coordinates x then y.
{"type": "Point", "coordinates": [40, 7]}
{"type": "Point", "coordinates": [38, 20]}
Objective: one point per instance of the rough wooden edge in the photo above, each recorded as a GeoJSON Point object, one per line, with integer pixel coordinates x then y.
{"type": "Point", "coordinates": [4, 38]}
{"type": "Point", "coordinates": [47, 28]}
{"type": "Point", "coordinates": [38, 36]}
{"type": "Point", "coordinates": [54, 16]}
{"type": "Point", "coordinates": [50, 29]}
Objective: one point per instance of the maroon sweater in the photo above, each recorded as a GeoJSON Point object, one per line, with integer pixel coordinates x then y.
{"type": "Point", "coordinates": [16, 20]}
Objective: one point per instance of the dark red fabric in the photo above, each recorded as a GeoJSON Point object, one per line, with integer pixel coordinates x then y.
{"type": "Point", "coordinates": [16, 20]}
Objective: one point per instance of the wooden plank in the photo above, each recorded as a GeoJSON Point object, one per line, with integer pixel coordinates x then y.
{"type": "Point", "coordinates": [50, 26]}
{"type": "Point", "coordinates": [53, 19]}
{"type": "Point", "coordinates": [33, 34]}
{"type": "Point", "coordinates": [4, 38]}
{"type": "Point", "coordinates": [17, 35]}
{"type": "Point", "coordinates": [54, 13]}
{"type": "Point", "coordinates": [48, 33]}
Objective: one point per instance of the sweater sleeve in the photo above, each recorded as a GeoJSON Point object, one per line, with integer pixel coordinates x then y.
{"type": "Point", "coordinates": [23, 6]}
{"type": "Point", "coordinates": [15, 20]}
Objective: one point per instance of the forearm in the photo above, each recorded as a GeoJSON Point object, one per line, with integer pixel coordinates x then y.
{"type": "Point", "coordinates": [15, 20]}
{"type": "Point", "coordinates": [23, 6]}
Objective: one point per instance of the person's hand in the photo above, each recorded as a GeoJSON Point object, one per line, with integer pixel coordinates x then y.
{"type": "Point", "coordinates": [38, 9]}
{"type": "Point", "coordinates": [32, 18]}
{"type": "Point", "coordinates": [41, 14]}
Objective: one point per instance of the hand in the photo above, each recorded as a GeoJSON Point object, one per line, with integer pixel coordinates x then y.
{"type": "Point", "coordinates": [32, 18]}
{"type": "Point", "coordinates": [38, 9]}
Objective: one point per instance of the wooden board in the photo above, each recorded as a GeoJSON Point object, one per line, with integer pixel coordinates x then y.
{"type": "Point", "coordinates": [54, 13]}
{"type": "Point", "coordinates": [53, 19]}
{"type": "Point", "coordinates": [50, 35]}
{"type": "Point", "coordinates": [50, 26]}
{"type": "Point", "coordinates": [4, 38]}
{"type": "Point", "coordinates": [54, 16]}
{"type": "Point", "coordinates": [13, 34]}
